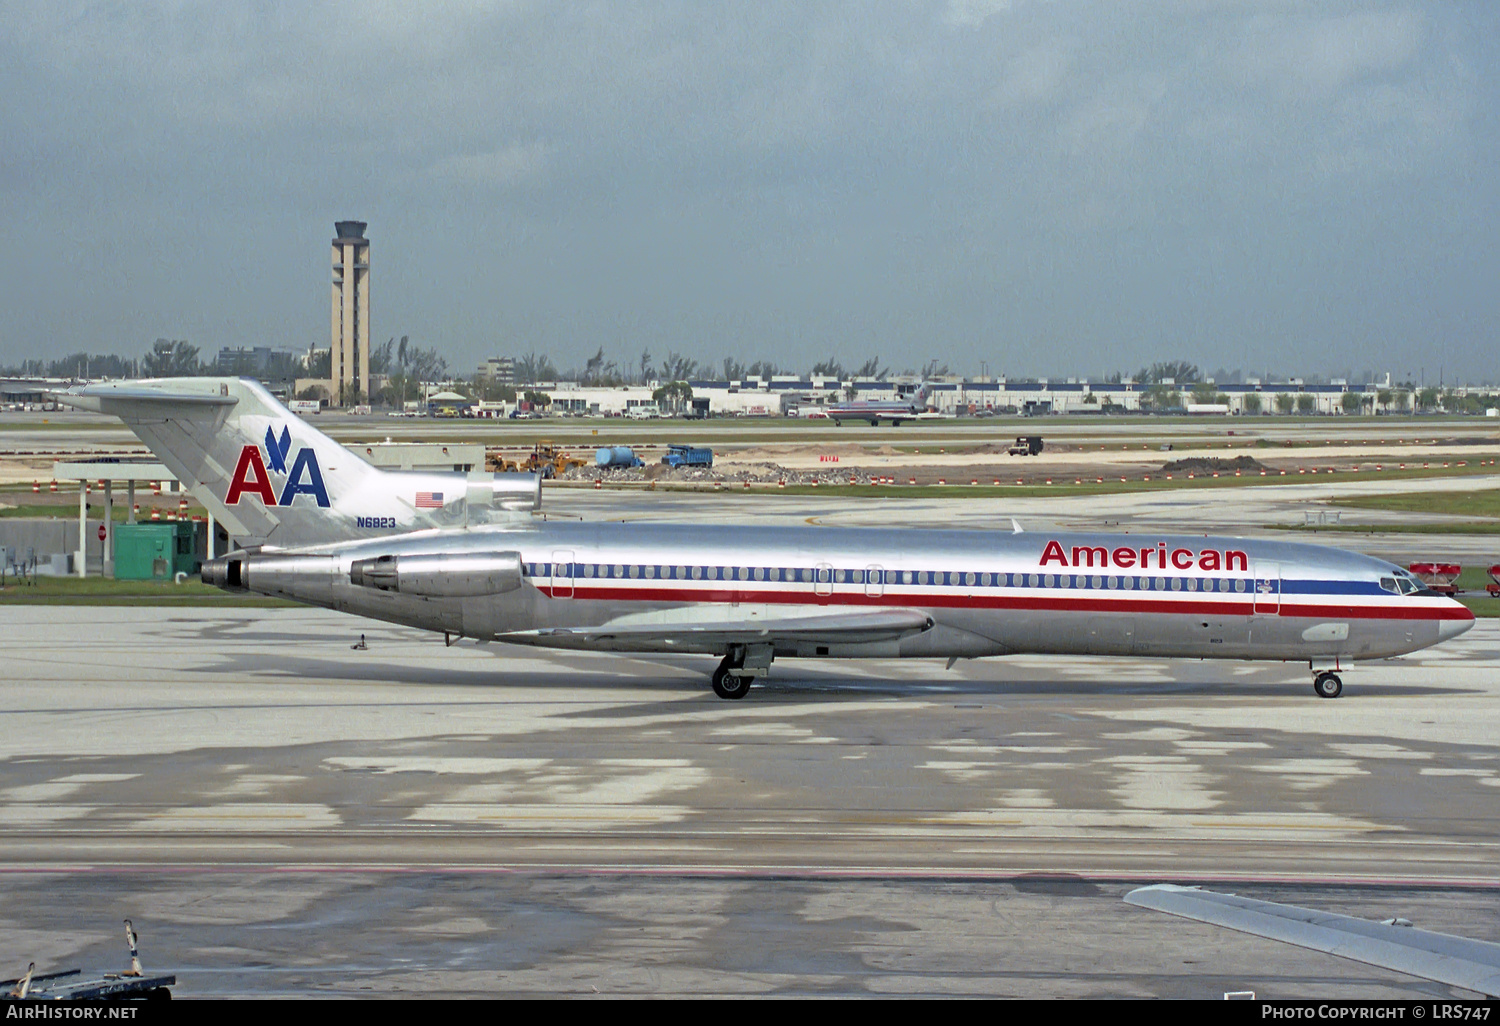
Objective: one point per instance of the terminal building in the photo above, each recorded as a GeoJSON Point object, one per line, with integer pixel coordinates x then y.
{"type": "Point", "coordinates": [781, 395]}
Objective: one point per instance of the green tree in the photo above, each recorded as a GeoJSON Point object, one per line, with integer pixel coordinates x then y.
{"type": "Point", "coordinates": [426, 364]}
{"type": "Point", "coordinates": [382, 357]}
{"type": "Point", "coordinates": [1284, 402]}
{"type": "Point", "coordinates": [1252, 403]}
{"type": "Point", "coordinates": [320, 363]}
{"type": "Point", "coordinates": [1352, 402]}
{"type": "Point", "coordinates": [1178, 371]}
{"type": "Point", "coordinates": [1306, 403]}
{"type": "Point", "coordinates": [673, 396]}
{"type": "Point", "coordinates": [1161, 397]}
{"type": "Point", "coordinates": [398, 389]}
{"type": "Point", "coordinates": [679, 368]}
{"type": "Point", "coordinates": [1203, 392]}
{"type": "Point", "coordinates": [491, 391]}
{"type": "Point", "coordinates": [171, 358]}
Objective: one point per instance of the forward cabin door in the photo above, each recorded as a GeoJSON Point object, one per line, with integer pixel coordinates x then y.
{"type": "Point", "coordinates": [1266, 585]}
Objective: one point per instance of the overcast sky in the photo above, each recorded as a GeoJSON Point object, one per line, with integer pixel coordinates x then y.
{"type": "Point", "coordinates": [1063, 187]}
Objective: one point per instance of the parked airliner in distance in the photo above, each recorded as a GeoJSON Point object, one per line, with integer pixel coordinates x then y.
{"type": "Point", "coordinates": [461, 554]}
{"type": "Point", "coordinates": [873, 411]}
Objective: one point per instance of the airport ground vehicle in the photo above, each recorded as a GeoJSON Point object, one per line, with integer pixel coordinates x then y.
{"type": "Point", "coordinates": [617, 456]}
{"type": "Point", "coordinates": [688, 456]}
{"type": "Point", "coordinates": [545, 459]}
{"type": "Point", "coordinates": [1440, 577]}
{"type": "Point", "coordinates": [460, 554]}
{"type": "Point", "coordinates": [1026, 445]}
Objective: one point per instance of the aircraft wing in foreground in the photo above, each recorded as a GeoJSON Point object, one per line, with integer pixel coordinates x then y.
{"type": "Point", "coordinates": [1456, 961]}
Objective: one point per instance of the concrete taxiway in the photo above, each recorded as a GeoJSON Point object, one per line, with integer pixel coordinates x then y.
{"type": "Point", "coordinates": [279, 813]}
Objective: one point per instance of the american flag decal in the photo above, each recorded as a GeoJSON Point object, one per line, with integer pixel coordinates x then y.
{"type": "Point", "coordinates": [429, 500]}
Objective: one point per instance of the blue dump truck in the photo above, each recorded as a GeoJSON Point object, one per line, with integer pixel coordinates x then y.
{"type": "Point", "coordinates": [617, 456]}
{"type": "Point", "coordinates": [688, 456]}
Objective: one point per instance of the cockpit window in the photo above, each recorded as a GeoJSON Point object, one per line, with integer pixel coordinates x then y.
{"type": "Point", "coordinates": [1408, 585]}
{"type": "Point", "coordinates": [1389, 584]}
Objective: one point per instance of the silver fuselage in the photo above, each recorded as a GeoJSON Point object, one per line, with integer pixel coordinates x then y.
{"type": "Point", "coordinates": [985, 593]}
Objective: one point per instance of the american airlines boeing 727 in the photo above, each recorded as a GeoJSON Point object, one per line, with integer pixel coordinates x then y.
{"type": "Point", "coordinates": [460, 553]}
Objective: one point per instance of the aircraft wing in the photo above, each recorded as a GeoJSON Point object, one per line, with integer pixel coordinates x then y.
{"type": "Point", "coordinates": [836, 628]}
{"type": "Point", "coordinates": [1456, 961]}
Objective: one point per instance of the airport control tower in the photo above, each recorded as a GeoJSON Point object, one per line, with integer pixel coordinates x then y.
{"type": "Point", "coordinates": [350, 341]}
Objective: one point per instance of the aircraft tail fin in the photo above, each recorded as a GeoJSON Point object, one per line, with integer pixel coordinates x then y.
{"type": "Point", "coordinates": [267, 475]}
{"type": "Point", "coordinates": [273, 480]}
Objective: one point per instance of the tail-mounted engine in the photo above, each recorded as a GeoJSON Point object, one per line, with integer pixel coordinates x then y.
{"type": "Point", "coordinates": [440, 575]}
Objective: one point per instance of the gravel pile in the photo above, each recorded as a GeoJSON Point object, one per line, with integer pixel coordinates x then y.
{"type": "Point", "coordinates": [1214, 463]}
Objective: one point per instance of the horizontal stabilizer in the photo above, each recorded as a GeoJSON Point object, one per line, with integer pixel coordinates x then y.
{"type": "Point", "coordinates": [1457, 961]}
{"type": "Point", "coordinates": [117, 400]}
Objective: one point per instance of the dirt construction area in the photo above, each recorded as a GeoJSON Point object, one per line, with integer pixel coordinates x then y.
{"type": "Point", "coordinates": [952, 451]}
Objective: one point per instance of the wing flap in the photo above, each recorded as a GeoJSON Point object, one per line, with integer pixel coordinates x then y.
{"type": "Point", "coordinates": [1456, 961]}
{"type": "Point", "coordinates": [838, 628]}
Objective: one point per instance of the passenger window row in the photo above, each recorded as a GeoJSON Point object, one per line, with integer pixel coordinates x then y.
{"type": "Point", "coordinates": [932, 578]}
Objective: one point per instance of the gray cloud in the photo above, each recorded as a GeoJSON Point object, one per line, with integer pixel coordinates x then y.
{"type": "Point", "coordinates": [1053, 187]}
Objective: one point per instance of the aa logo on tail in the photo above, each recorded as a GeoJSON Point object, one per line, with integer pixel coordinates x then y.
{"type": "Point", "coordinates": [251, 476]}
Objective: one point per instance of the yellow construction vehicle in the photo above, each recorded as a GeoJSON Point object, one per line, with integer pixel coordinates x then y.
{"type": "Point", "coordinates": [496, 463]}
{"type": "Point", "coordinates": [545, 458]}
{"type": "Point", "coordinates": [550, 461]}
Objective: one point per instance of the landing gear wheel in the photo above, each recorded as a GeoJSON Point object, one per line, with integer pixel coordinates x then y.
{"type": "Point", "coordinates": [1328, 685]}
{"type": "Point", "coordinates": [728, 684]}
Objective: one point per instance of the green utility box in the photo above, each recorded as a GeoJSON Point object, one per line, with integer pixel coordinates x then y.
{"type": "Point", "coordinates": [156, 551]}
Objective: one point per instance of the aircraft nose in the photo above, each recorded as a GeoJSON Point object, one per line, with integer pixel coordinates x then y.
{"type": "Point", "coordinates": [1456, 626]}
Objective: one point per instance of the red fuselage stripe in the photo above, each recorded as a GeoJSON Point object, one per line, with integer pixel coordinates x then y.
{"type": "Point", "coordinates": [1185, 607]}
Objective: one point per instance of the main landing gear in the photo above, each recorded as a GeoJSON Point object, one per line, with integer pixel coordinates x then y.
{"type": "Point", "coordinates": [739, 669]}
{"type": "Point", "coordinates": [728, 683]}
{"type": "Point", "coordinates": [1328, 685]}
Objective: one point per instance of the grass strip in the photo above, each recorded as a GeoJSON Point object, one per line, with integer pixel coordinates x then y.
{"type": "Point", "coordinates": [105, 591]}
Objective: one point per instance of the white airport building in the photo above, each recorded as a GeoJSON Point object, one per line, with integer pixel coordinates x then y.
{"type": "Point", "coordinates": [777, 396]}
